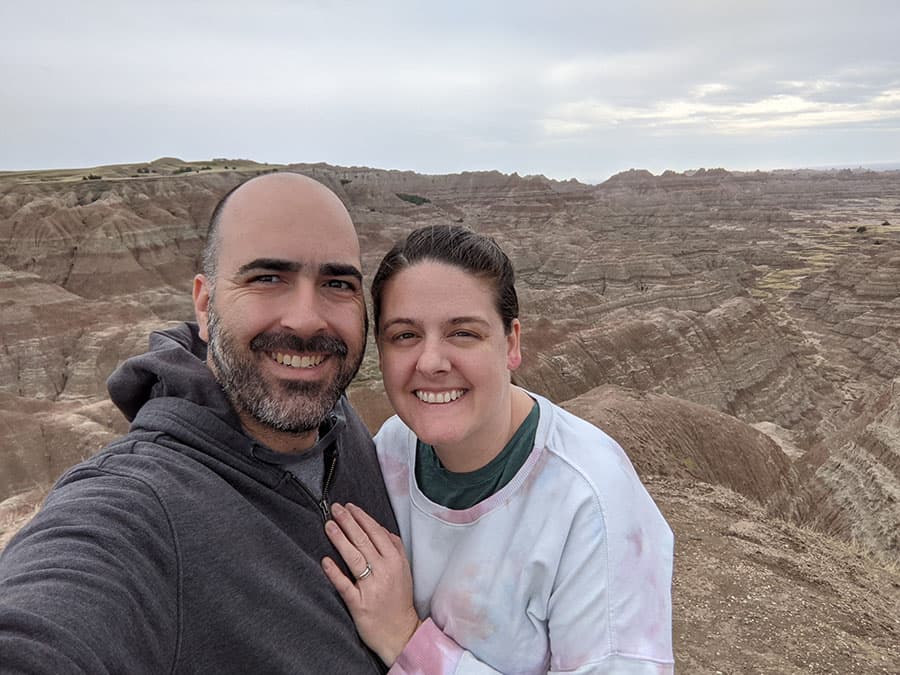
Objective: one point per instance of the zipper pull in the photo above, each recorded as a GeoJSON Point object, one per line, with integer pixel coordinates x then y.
{"type": "Point", "coordinates": [326, 511]}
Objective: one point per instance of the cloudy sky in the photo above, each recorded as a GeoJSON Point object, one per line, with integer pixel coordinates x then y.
{"type": "Point", "coordinates": [564, 89]}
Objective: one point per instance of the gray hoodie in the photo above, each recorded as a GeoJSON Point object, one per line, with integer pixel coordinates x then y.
{"type": "Point", "coordinates": [177, 549]}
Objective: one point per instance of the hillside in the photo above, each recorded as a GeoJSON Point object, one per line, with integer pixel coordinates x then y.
{"type": "Point", "coordinates": [738, 333]}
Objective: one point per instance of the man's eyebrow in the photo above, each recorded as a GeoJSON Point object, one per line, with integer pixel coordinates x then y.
{"type": "Point", "coordinates": [270, 264]}
{"type": "Point", "coordinates": [340, 270]}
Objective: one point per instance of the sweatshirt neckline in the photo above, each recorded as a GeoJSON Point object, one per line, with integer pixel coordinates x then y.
{"type": "Point", "coordinates": [476, 512]}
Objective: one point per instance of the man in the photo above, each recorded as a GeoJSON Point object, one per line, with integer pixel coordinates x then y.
{"type": "Point", "coordinates": [193, 543]}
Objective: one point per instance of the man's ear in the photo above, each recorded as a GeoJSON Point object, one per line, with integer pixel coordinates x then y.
{"type": "Point", "coordinates": [201, 305]}
{"type": "Point", "coordinates": [514, 346]}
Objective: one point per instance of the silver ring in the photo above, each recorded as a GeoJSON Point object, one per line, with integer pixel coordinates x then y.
{"type": "Point", "coordinates": [366, 572]}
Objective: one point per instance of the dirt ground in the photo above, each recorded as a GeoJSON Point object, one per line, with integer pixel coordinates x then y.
{"type": "Point", "coordinates": [757, 595]}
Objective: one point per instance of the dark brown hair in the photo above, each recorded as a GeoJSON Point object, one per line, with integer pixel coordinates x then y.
{"type": "Point", "coordinates": [454, 245]}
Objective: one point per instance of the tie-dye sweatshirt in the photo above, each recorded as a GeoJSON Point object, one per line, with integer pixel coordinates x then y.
{"type": "Point", "coordinates": [567, 568]}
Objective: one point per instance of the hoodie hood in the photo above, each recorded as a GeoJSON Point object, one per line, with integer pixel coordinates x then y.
{"type": "Point", "coordinates": [175, 366]}
{"type": "Point", "coordinates": [170, 389]}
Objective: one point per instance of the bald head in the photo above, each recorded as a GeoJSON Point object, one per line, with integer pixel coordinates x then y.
{"type": "Point", "coordinates": [281, 288]}
{"type": "Point", "coordinates": [283, 199]}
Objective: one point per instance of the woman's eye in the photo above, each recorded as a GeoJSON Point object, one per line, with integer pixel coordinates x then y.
{"type": "Point", "coordinates": [400, 337]}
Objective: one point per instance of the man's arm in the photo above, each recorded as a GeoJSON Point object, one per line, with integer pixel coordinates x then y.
{"type": "Point", "coordinates": [91, 583]}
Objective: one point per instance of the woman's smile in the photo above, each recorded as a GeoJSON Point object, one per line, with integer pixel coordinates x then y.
{"type": "Point", "coordinates": [439, 397]}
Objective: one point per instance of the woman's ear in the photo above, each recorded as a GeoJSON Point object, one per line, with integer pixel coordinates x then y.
{"type": "Point", "coordinates": [513, 346]}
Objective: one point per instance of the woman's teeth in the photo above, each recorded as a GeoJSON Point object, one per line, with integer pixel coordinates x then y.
{"type": "Point", "coordinates": [439, 397]}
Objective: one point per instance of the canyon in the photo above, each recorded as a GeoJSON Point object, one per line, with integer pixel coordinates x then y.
{"type": "Point", "coordinates": [737, 332]}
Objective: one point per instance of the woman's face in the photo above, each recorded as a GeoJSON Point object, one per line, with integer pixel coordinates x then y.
{"type": "Point", "coordinates": [445, 358]}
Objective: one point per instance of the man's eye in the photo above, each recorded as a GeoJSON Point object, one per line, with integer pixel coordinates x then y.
{"type": "Point", "coordinates": [340, 283]}
{"type": "Point", "coordinates": [265, 279]}
{"type": "Point", "coordinates": [464, 334]}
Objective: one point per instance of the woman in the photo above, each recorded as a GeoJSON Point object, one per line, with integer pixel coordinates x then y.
{"type": "Point", "coordinates": [533, 545]}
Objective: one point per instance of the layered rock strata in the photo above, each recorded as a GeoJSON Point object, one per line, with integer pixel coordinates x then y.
{"type": "Point", "coordinates": [769, 297]}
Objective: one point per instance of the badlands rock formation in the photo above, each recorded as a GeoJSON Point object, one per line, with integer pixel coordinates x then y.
{"type": "Point", "coordinates": [738, 333]}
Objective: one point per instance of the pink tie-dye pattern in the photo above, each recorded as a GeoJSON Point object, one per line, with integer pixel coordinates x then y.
{"type": "Point", "coordinates": [429, 652]}
{"type": "Point", "coordinates": [636, 539]}
{"type": "Point", "coordinates": [396, 473]}
{"type": "Point", "coordinates": [653, 618]}
{"type": "Point", "coordinates": [461, 613]}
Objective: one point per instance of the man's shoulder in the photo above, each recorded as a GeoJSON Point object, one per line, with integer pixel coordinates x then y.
{"type": "Point", "coordinates": [134, 457]}
{"type": "Point", "coordinates": [344, 408]}
{"type": "Point", "coordinates": [111, 493]}
{"type": "Point", "coordinates": [353, 429]}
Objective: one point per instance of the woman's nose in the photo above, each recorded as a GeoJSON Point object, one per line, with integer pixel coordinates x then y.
{"type": "Point", "coordinates": [432, 359]}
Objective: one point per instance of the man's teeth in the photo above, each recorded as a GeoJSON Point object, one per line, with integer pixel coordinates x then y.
{"type": "Point", "coordinates": [297, 361]}
{"type": "Point", "coordinates": [439, 397]}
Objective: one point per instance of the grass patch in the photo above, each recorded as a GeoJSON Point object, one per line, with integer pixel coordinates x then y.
{"type": "Point", "coordinates": [413, 199]}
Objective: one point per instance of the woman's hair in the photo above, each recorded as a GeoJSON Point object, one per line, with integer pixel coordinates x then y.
{"type": "Point", "coordinates": [454, 245]}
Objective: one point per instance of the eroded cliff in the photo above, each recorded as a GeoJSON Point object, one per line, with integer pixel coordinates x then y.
{"type": "Point", "coordinates": [737, 333]}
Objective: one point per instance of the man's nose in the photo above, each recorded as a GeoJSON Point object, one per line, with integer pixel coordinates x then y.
{"type": "Point", "coordinates": [433, 358]}
{"type": "Point", "coordinates": [303, 311]}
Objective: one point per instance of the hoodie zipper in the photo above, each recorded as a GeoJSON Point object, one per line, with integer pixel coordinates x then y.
{"type": "Point", "coordinates": [323, 502]}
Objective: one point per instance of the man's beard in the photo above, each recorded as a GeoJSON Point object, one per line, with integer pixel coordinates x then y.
{"type": "Point", "coordinates": [288, 406]}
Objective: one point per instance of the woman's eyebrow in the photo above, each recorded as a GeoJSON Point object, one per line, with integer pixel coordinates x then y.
{"type": "Point", "coordinates": [467, 319]}
{"type": "Point", "coordinates": [399, 320]}
{"type": "Point", "coordinates": [455, 321]}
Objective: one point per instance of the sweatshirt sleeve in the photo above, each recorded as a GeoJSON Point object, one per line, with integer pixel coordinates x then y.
{"type": "Point", "coordinates": [610, 610]}
{"type": "Point", "coordinates": [90, 584]}
{"type": "Point", "coordinates": [431, 652]}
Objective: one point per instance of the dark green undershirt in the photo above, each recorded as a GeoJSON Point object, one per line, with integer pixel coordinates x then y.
{"type": "Point", "coordinates": [464, 490]}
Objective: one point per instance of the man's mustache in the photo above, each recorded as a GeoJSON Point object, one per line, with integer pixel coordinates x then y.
{"type": "Point", "coordinates": [320, 344]}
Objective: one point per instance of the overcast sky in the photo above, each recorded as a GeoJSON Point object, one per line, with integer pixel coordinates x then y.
{"type": "Point", "coordinates": [564, 89]}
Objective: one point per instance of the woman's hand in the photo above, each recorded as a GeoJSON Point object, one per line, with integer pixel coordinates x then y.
{"type": "Point", "coordinates": [381, 600]}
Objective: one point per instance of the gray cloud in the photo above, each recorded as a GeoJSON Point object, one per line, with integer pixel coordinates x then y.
{"type": "Point", "coordinates": [566, 89]}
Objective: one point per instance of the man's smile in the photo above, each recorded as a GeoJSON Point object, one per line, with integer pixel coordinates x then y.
{"type": "Point", "coordinates": [298, 361]}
